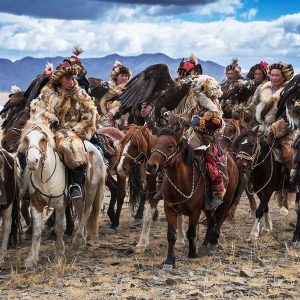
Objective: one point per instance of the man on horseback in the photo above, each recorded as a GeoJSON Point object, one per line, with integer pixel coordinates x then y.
{"type": "Point", "coordinates": [109, 104]}
{"type": "Point", "coordinates": [72, 115]}
{"type": "Point", "coordinates": [266, 100]}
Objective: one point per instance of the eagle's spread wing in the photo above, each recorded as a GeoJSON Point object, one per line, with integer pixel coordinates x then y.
{"type": "Point", "coordinates": [146, 87]}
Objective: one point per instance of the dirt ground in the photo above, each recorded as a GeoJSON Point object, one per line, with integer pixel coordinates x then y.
{"type": "Point", "coordinates": [268, 268]}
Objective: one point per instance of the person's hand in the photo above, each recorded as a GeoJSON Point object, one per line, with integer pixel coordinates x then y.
{"type": "Point", "coordinates": [109, 115]}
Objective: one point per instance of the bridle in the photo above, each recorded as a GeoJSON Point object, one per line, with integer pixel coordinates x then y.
{"type": "Point", "coordinates": [169, 160]}
{"type": "Point", "coordinates": [139, 159]}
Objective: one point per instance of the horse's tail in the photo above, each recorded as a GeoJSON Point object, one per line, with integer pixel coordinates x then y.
{"type": "Point", "coordinates": [92, 225]}
{"type": "Point", "coordinates": [16, 227]}
{"type": "Point", "coordinates": [134, 187]}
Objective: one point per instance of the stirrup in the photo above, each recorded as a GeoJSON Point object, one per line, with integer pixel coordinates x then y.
{"type": "Point", "coordinates": [77, 190]}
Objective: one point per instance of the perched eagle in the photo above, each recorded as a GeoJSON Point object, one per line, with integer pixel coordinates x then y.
{"type": "Point", "coordinates": [153, 85]}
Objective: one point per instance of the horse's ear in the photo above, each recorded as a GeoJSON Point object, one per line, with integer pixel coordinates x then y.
{"type": "Point", "coordinates": [256, 130]}
{"type": "Point", "coordinates": [179, 134]}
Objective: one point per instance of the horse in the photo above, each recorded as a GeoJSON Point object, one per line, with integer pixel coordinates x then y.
{"type": "Point", "coordinates": [9, 204]}
{"type": "Point", "coordinates": [267, 175]}
{"type": "Point", "coordinates": [184, 190]}
{"type": "Point", "coordinates": [46, 178]}
{"type": "Point", "coordinates": [116, 186]}
{"type": "Point", "coordinates": [136, 149]}
{"type": "Point", "coordinates": [296, 147]}
{"type": "Point", "coordinates": [231, 131]}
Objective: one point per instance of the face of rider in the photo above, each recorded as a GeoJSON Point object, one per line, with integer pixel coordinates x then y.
{"type": "Point", "coordinates": [67, 82]}
{"type": "Point", "coordinates": [258, 76]}
{"type": "Point", "coordinates": [231, 75]}
{"type": "Point", "coordinates": [122, 78]}
{"type": "Point", "coordinates": [276, 78]}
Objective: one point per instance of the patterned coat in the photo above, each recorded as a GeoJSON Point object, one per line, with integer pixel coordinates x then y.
{"type": "Point", "coordinates": [73, 110]}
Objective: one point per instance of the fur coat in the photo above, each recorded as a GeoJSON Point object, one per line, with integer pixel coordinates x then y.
{"type": "Point", "coordinates": [266, 103]}
{"type": "Point", "coordinates": [73, 110]}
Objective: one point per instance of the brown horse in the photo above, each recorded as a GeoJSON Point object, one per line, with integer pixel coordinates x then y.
{"type": "Point", "coordinates": [231, 132]}
{"type": "Point", "coordinates": [9, 202]}
{"type": "Point", "coordinates": [116, 186]}
{"type": "Point", "coordinates": [266, 174]}
{"type": "Point", "coordinates": [185, 190]}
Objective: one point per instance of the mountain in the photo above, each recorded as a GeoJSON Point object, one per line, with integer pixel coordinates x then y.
{"type": "Point", "coordinates": [21, 72]}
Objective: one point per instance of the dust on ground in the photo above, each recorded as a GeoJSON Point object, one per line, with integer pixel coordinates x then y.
{"type": "Point", "coordinates": [268, 268]}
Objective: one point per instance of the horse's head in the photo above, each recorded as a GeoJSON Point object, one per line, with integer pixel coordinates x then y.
{"type": "Point", "coordinates": [136, 148]}
{"type": "Point", "coordinates": [35, 140]}
{"type": "Point", "coordinates": [246, 147]}
{"type": "Point", "coordinates": [165, 149]}
{"type": "Point", "coordinates": [12, 134]}
{"type": "Point", "coordinates": [231, 131]}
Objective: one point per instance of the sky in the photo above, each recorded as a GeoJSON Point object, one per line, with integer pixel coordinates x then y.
{"type": "Point", "coordinates": [216, 30]}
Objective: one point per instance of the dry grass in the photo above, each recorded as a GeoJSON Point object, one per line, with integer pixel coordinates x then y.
{"type": "Point", "coordinates": [110, 270]}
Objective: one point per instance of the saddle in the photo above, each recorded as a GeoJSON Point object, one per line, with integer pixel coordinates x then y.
{"type": "Point", "coordinates": [107, 143]}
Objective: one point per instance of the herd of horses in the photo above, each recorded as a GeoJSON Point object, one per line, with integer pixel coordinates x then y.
{"type": "Point", "coordinates": [251, 167]}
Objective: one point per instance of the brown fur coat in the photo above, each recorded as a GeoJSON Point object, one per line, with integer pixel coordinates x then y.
{"type": "Point", "coordinates": [74, 110]}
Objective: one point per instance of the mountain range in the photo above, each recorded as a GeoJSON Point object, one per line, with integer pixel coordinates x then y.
{"type": "Point", "coordinates": [21, 72]}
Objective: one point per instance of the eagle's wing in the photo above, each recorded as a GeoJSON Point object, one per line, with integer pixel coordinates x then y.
{"type": "Point", "coordinates": [146, 86]}
{"type": "Point", "coordinates": [35, 88]}
{"type": "Point", "coordinates": [289, 93]}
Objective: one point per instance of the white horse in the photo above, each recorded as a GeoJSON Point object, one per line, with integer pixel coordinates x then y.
{"type": "Point", "coordinates": [9, 188]}
{"type": "Point", "coordinates": [47, 182]}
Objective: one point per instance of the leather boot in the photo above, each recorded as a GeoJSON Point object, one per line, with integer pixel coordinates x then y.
{"type": "Point", "coordinates": [76, 181]}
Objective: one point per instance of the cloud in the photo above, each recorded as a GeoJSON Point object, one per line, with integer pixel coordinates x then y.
{"type": "Point", "coordinates": [250, 14]}
{"type": "Point", "coordinates": [218, 41]}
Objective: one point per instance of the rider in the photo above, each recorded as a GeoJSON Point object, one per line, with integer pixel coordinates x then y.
{"type": "Point", "coordinates": [120, 75]}
{"type": "Point", "coordinates": [265, 101]}
{"type": "Point", "coordinates": [69, 110]}
{"type": "Point", "coordinates": [206, 122]}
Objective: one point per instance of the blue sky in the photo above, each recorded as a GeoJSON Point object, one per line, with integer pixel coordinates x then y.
{"type": "Point", "coordinates": [213, 30]}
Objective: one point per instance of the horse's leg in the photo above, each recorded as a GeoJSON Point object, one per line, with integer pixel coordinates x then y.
{"type": "Point", "coordinates": [296, 237]}
{"type": "Point", "coordinates": [191, 235]}
{"type": "Point", "coordinates": [252, 202]}
{"type": "Point", "coordinates": [181, 236]}
{"type": "Point", "coordinates": [268, 227]}
{"type": "Point", "coordinates": [7, 221]}
{"type": "Point", "coordinates": [203, 250]}
{"type": "Point", "coordinates": [112, 185]}
{"type": "Point", "coordinates": [144, 241]}
{"type": "Point", "coordinates": [58, 228]}
{"type": "Point", "coordinates": [33, 257]}
{"type": "Point", "coordinates": [140, 210]}
{"type": "Point", "coordinates": [25, 204]}
{"type": "Point", "coordinates": [171, 236]}
{"type": "Point", "coordinates": [69, 220]}
{"type": "Point", "coordinates": [120, 195]}
{"type": "Point", "coordinates": [264, 200]}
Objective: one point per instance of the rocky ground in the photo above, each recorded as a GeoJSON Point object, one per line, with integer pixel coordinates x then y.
{"type": "Point", "coordinates": [268, 268]}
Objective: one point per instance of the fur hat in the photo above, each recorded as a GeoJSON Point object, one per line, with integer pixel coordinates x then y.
{"type": "Point", "coordinates": [206, 126]}
{"type": "Point", "coordinates": [287, 70]}
{"type": "Point", "coordinates": [190, 67]}
{"type": "Point", "coordinates": [234, 66]}
{"type": "Point", "coordinates": [117, 69]}
{"type": "Point", "coordinates": [75, 61]}
{"type": "Point", "coordinates": [61, 70]}
{"type": "Point", "coordinates": [262, 66]}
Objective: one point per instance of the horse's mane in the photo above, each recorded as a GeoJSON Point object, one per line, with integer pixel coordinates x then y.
{"type": "Point", "coordinates": [40, 126]}
{"type": "Point", "coordinates": [187, 151]}
{"type": "Point", "coordinates": [137, 134]}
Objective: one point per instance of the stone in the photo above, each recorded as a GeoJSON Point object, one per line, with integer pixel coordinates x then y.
{"type": "Point", "coordinates": [247, 273]}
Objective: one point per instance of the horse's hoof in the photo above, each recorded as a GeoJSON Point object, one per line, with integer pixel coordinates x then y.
{"type": "Point", "coordinates": [30, 262]}
{"type": "Point", "coordinates": [296, 244]}
{"type": "Point", "coordinates": [211, 246]}
{"type": "Point", "coordinates": [265, 231]}
{"type": "Point", "coordinates": [283, 211]}
{"type": "Point", "coordinates": [193, 255]}
{"type": "Point", "coordinates": [252, 237]}
{"type": "Point", "coordinates": [140, 249]}
{"type": "Point", "coordinates": [60, 259]}
{"type": "Point", "coordinates": [179, 245]}
{"type": "Point", "coordinates": [78, 243]}
{"type": "Point", "coordinates": [168, 267]}
{"type": "Point", "coordinates": [203, 251]}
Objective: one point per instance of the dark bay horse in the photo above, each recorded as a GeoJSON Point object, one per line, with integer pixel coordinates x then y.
{"type": "Point", "coordinates": [116, 186]}
{"type": "Point", "coordinates": [9, 202]}
{"type": "Point", "coordinates": [184, 191]}
{"type": "Point", "coordinates": [231, 131]}
{"type": "Point", "coordinates": [136, 149]}
{"type": "Point", "coordinates": [266, 174]}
